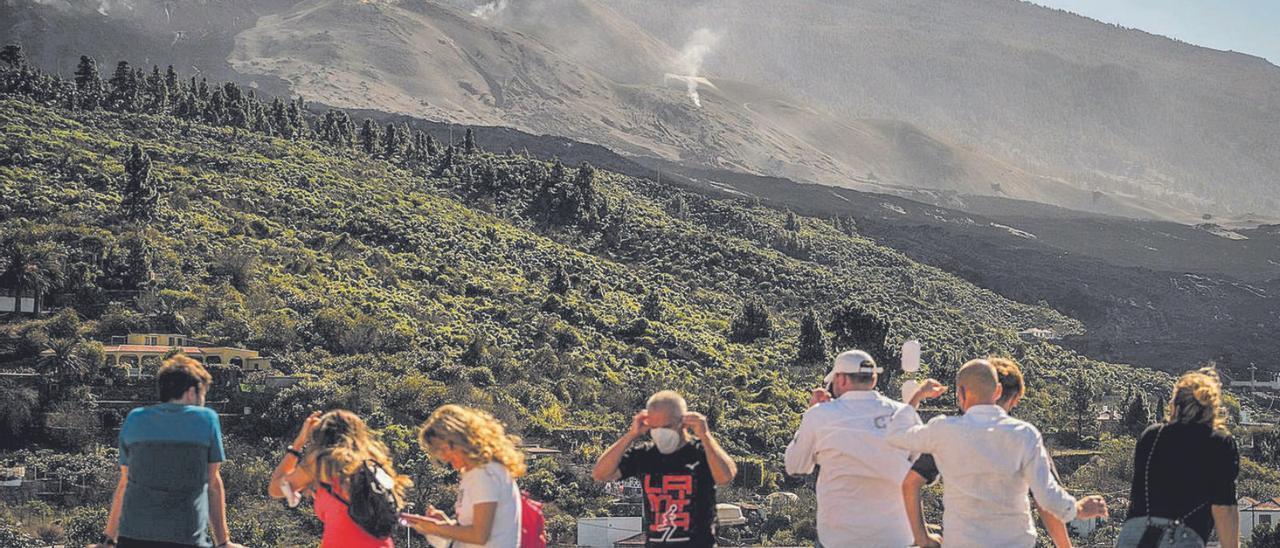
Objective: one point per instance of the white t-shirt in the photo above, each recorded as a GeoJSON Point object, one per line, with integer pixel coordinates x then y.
{"type": "Point", "coordinates": [491, 483]}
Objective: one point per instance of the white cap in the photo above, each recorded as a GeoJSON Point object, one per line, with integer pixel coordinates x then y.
{"type": "Point", "coordinates": [852, 361]}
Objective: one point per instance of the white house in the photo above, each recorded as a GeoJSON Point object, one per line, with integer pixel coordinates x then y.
{"type": "Point", "coordinates": [1258, 512]}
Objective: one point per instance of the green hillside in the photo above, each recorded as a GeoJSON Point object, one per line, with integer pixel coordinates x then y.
{"type": "Point", "coordinates": [556, 297]}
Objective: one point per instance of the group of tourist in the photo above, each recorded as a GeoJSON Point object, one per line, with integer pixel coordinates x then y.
{"type": "Point", "coordinates": [874, 455]}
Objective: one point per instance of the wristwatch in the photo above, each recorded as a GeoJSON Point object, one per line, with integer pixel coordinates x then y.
{"type": "Point", "coordinates": [290, 450]}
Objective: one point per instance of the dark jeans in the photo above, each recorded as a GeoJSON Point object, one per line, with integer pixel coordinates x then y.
{"type": "Point", "coordinates": [126, 542]}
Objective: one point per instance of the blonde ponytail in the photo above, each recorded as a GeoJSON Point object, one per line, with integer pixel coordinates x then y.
{"type": "Point", "coordinates": [1197, 399]}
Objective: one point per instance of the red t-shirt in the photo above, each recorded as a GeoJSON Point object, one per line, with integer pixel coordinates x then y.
{"type": "Point", "coordinates": [339, 530]}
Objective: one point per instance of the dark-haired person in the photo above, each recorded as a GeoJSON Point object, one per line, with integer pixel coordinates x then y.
{"type": "Point", "coordinates": [1190, 464]}
{"type": "Point", "coordinates": [925, 470]}
{"type": "Point", "coordinates": [170, 489]}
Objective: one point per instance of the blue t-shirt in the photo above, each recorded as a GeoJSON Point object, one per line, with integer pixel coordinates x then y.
{"type": "Point", "coordinates": [168, 448]}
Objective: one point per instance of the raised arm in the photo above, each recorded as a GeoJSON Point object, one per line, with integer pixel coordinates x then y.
{"type": "Point", "coordinates": [722, 466]}
{"type": "Point", "coordinates": [906, 430]}
{"type": "Point", "coordinates": [606, 468]}
{"type": "Point", "coordinates": [290, 469]}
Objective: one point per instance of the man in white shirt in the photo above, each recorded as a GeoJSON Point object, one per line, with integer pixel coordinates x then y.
{"type": "Point", "coordinates": [990, 460]}
{"type": "Point", "coordinates": [859, 499]}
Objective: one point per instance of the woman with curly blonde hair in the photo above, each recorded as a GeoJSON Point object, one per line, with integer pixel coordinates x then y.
{"type": "Point", "coordinates": [478, 447]}
{"type": "Point", "coordinates": [1184, 471]}
{"type": "Point", "coordinates": [327, 453]}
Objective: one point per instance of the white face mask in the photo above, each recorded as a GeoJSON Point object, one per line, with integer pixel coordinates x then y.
{"type": "Point", "coordinates": [666, 440]}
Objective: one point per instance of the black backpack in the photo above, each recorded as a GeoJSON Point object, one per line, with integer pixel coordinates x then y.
{"type": "Point", "coordinates": [373, 504]}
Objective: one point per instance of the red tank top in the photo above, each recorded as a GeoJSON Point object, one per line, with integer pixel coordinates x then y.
{"type": "Point", "coordinates": [339, 530]}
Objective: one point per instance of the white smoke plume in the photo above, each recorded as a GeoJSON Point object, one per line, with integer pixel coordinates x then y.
{"type": "Point", "coordinates": [689, 63]}
{"type": "Point", "coordinates": [490, 10]}
{"type": "Point", "coordinates": [106, 6]}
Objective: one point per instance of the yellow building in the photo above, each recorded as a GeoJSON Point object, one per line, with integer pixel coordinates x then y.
{"type": "Point", "coordinates": [138, 348]}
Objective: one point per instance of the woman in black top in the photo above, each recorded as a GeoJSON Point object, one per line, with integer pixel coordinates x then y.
{"type": "Point", "coordinates": [1195, 464]}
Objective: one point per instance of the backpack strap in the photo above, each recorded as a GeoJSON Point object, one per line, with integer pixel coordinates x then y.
{"type": "Point", "coordinates": [334, 494]}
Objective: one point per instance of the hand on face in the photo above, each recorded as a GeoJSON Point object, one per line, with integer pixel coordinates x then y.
{"type": "Point", "coordinates": [639, 424]}
{"type": "Point", "coordinates": [696, 423]}
{"type": "Point", "coordinates": [819, 395]}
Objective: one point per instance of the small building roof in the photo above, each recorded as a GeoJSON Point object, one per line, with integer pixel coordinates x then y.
{"type": "Point", "coordinates": [1272, 505]}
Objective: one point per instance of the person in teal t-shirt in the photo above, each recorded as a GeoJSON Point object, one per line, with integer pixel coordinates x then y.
{"type": "Point", "coordinates": [170, 488]}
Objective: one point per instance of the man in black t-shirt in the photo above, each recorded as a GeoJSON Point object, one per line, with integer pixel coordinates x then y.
{"type": "Point", "coordinates": [678, 471]}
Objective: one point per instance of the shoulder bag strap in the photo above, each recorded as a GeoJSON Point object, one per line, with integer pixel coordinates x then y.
{"type": "Point", "coordinates": [1147, 483]}
{"type": "Point", "coordinates": [1146, 473]}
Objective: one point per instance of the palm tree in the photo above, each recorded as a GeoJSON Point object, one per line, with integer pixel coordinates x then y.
{"type": "Point", "coordinates": [34, 268]}
{"type": "Point", "coordinates": [68, 359]}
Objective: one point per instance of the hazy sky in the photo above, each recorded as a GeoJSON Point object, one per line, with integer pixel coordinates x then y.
{"type": "Point", "coordinates": [1246, 26]}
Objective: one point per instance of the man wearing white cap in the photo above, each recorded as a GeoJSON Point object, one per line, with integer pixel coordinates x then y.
{"type": "Point", "coordinates": [859, 487]}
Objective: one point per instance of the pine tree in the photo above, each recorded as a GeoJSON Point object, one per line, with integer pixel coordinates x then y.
{"type": "Point", "coordinates": [793, 222]}
{"type": "Point", "coordinates": [299, 122]}
{"type": "Point", "coordinates": [811, 347]}
{"type": "Point", "coordinates": [155, 83]}
{"type": "Point", "coordinates": [171, 81]}
{"type": "Point", "coordinates": [433, 147]}
{"type": "Point", "coordinates": [391, 142]}
{"type": "Point", "coordinates": [678, 207]}
{"type": "Point", "coordinates": [215, 111]}
{"type": "Point", "coordinates": [1080, 399]}
{"type": "Point", "coordinates": [753, 322]}
{"type": "Point", "coordinates": [560, 282]}
{"type": "Point", "coordinates": [88, 83]}
{"type": "Point", "coordinates": [469, 142]}
{"type": "Point", "coordinates": [369, 137]}
{"type": "Point", "coordinates": [854, 327]}
{"type": "Point", "coordinates": [12, 55]}
{"type": "Point", "coordinates": [280, 119]}
{"type": "Point", "coordinates": [141, 197]}
{"type": "Point", "coordinates": [651, 306]}
{"type": "Point", "coordinates": [419, 148]}
{"type": "Point", "coordinates": [1137, 418]}
{"type": "Point", "coordinates": [585, 201]}
{"type": "Point", "coordinates": [124, 93]}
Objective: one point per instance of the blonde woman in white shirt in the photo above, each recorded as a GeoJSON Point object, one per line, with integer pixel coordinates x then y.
{"type": "Point", "coordinates": [989, 461]}
{"type": "Point", "coordinates": [478, 447]}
